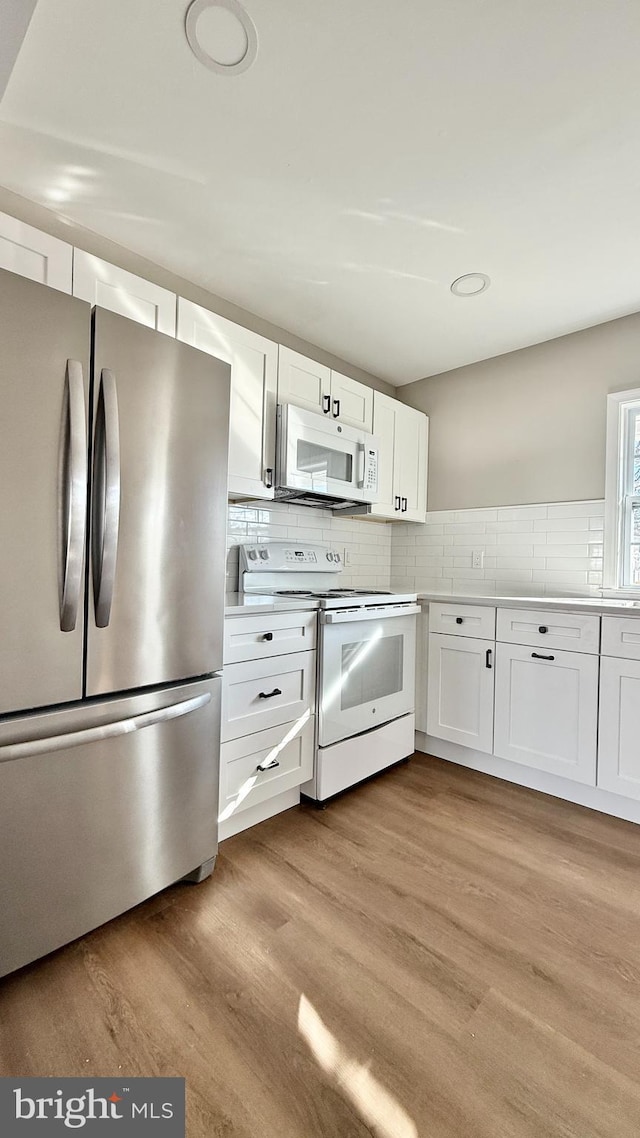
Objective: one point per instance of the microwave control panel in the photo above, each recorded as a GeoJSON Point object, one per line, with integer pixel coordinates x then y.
{"type": "Point", "coordinates": [371, 470]}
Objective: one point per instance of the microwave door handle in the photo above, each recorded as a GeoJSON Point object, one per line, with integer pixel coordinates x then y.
{"type": "Point", "coordinates": [361, 466]}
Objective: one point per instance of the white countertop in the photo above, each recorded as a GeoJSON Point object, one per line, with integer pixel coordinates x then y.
{"type": "Point", "coordinates": [236, 604]}
{"type": "Point", "coordinates": [599, 605]}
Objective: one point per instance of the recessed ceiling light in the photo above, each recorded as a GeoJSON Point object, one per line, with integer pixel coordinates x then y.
{"type": "Point", "coordinates": [221, 35]}
{"type": "Point", "coordinates": [471, 284]}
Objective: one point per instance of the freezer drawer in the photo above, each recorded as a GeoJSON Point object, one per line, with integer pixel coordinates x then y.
{"type": "Point", "coordinates": [100, 807]}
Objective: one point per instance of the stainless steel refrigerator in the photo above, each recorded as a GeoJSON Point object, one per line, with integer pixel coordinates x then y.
{"type": "Point", "coordinates": [113, 476]}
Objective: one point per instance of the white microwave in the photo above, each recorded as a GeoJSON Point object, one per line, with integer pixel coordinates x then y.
{"type": "Point", "coordinates": [321, 462]}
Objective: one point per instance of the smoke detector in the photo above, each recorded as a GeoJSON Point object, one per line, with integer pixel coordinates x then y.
{"type": "Point", "coordinates": [471, 284]}
{"type": "Point", "coordinates": [221, 35]}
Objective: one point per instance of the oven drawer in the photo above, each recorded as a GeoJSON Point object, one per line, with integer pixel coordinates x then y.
{"type": "Point", "coordinates": [478, 621]}
{"type": "Point", "coordinates": [621, 637]}
{"type": "Point", "coordinates": [259, 694]}
{"type": "Point", "coordinates": [285, 755]}
{"type": "Point", "coordinates": [260, 636]}
{"type": "Point", "coordinates": [549, 628]}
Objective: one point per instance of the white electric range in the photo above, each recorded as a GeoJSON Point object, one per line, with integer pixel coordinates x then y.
{"type": "Point", "coordinates": [366, 660]}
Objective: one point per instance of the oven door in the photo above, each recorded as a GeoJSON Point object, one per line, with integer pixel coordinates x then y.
{"type": "Point", "coordinates": [324, 457]}
{"type": "Point", "coordinates": [367, 669]}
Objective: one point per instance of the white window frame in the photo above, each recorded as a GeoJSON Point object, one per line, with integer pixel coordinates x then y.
{"type": "Point", "coordinates": [622, 407]}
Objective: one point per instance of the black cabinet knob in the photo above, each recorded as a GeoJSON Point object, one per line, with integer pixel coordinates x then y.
{"type": "Point", "coordinates": [268, 636]}
{"type": "Point", "coordinates": [458, 620]}
{"type": "Point", "coordinates": [543, 628]}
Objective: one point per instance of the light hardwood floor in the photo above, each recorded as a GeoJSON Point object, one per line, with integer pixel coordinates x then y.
{"type": "Point", "coordinates": [438, 954]}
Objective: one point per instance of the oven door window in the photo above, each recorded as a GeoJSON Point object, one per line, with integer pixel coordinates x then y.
{"type": "Point", "coordinates": [321, 461]}
{"type": "Point", "coordinates": [370, 670]}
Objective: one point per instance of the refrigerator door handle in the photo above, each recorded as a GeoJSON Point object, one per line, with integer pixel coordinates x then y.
{"type": "Point", "coordinates": [33, 747]}
{"type": "Point", "coordinates": [106, 497]}
{"type": "Point", "coordinates": [73, 497]}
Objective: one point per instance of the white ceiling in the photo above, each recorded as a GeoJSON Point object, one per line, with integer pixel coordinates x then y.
{"type": "Point", "coordinates": [374, 152]}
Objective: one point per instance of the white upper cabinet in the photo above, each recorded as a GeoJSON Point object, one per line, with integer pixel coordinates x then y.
{"type": "Point", "coordinates": [119, 291]}
{"type": "Point", "coordinates": [351, 401]}
{"type": "Point", "coordinates": [254, 377]}
{"type": "Point", "coordinates": [31, 253]}
{"type": "Point", "coordinates": [311, 385]}
{"type": "Point", "coordinates": [403, 435]}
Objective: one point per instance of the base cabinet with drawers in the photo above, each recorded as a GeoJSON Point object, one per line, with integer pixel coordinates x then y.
{"type": "Point", "coordinates": [268, 715]}
{"type": "Point", "coordinates": [518, 684]}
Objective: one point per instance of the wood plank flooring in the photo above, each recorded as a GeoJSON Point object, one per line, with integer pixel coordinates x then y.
{"type": "Point", "coordinates": [438, 953]}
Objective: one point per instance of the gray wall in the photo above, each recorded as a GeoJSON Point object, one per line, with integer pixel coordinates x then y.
{"type": "Point", "coordinates": [42, 218]}
{"type": "Point", "coordinates": [528, 426]}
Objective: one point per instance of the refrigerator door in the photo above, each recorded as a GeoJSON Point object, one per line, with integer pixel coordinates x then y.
{"type": "Point", "coordinates": [101, 806]}
{"type": "Point", "coordinates": [158, 513]}
{"type": "Point", "coordinates": [44, 383]}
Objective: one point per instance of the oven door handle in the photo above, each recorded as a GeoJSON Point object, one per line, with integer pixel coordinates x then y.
{"type": "Point", "coordinates": [352, 616]}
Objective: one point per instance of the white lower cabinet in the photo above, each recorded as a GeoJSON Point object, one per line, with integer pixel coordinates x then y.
{"type": "Point", "coordinates": [546, 709]}
{"type": "Point", "coordinates": [261, 766]}
{"type": "Point", "coordinates": [268, 715]}
{"type": "Point", "coordinates": [460, 690]}
{"type": "Point", "coordinates": [619, 742]}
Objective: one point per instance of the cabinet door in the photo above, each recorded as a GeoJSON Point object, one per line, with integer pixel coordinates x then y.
{"type": "Point", "coordinates": [303, 382]}
{"type": "Point", "coordinates": [33, 254]}
{"type": "Point", "coordinates": [546, 710]}
{"type": "Point", "coordinates": [254, 372]}
{"type": "Point", "coordinates": [460, 691]}
{"type": "Point", "coordinates": [117, 290]}
{"type": "Point", "coordinates": [410, 444]}
{"type": "Point", "coordinates": [385, 412]}
{"type": "Point", "coordinates": [351, 402]}
{"type": "Point", "coordinates": [619, 744]}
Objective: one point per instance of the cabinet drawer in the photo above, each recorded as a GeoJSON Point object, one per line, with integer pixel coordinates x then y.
{"type": "Point", "coordinates": [463, 620]}
{"type": "Point", "coordinates": [549, 629]}
{"type": "Point", "coordinates": [265, 693]}
{"type": "Point", "coordinates": [286, 752]}
{"type": "Point", "coordinates": [257, 637]}
{"type": "Point", "coordinates": [621, 637]}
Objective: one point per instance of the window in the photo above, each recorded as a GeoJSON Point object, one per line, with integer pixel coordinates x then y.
{"type": "Point", "coordinates": [622, 506]}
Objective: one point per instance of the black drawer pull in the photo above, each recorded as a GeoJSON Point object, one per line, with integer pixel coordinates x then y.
{"type": "Point", "coordinates": [265, 766]}
{"type": "Point", "coordinates": [326, 404]}
{"type": "Point", "coordinates": [404, 505]}
{"type": "Point", "coordinates": [458, 620]}
{"type": "Point", "coordinates": [397, 502]}
{"type": "Point", "coordinates": [269, 694]}
{"type": "Point", "coordinates": [268, 636]}
{"type": "Point", "coordinates": [336, 408]}
{"type": "Point", "coordinates": [487, 659]}
{"type": "Point", "coordinates": [543, 628]}
{"type": "Point", "coordinates": [537, 656]}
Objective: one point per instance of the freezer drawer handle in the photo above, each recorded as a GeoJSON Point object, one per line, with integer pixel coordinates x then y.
{"type": "Point", "coordinates": [32, 747]}
{"type": "Point", "coordinates": [265, 766]}
{"type": "Point", "coordinates": [73, 496]}
{"type": "Point", "coordinates": [106, 497]}
{"type": "Point", "coordinates": [269, 694]}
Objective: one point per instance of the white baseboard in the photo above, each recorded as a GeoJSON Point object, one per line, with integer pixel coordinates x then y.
{"type": "Point", "coordinates": [258, 813]}
{"type": "Point", "coordinates": [589, 796]}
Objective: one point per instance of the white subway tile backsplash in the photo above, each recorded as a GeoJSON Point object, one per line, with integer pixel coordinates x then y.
{"type": "Point", "coordinates": [541, 550]}
{"type": "Point", "coordinates": [368, 544]}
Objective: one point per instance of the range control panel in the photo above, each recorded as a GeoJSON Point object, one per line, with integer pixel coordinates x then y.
{"type": "Point", "coordinates": [278, 556]}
